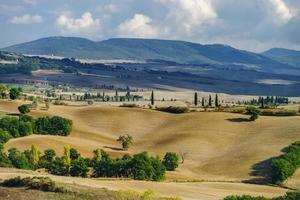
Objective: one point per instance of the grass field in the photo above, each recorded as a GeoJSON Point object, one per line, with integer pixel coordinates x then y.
{"type": "Point", "coordinates": [219, 147]}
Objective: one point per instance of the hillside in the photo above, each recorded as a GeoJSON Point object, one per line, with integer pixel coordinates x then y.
{"type": "Point", "coordinates": [287, 56]}
{"type": "Point", "coordinates": [218, 145]}
{"type": "Point", "coordinates": [145, 49]}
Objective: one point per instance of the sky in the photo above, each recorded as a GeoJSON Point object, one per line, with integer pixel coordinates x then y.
{"type": "Point", "coordinates": [254, 25]}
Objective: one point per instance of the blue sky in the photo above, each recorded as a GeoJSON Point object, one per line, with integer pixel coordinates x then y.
{"type": "Point", "coordinates": [247, 24]}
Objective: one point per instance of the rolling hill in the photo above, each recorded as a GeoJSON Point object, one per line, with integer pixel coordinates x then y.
{"type": "Point", "coordinates": [145, 49]}
{"type": "Point", "coordinates": [287, 56]}
{"type": "Point", "coordinates": [220, 150]}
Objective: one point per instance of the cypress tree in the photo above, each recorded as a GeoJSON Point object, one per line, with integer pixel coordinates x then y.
{"type": "Point", "coordinates": [217, 101]}
{"type": "Point", "coordinates": [209, 101]}
{"type": "Point", "coordinates": [152, 98]}
{"type": "Point", "coordinates": [203, 102]}
{"type": "Point", "coordinates": [196, 99]}
{"type": "Point", "coordinates": [262, 102]}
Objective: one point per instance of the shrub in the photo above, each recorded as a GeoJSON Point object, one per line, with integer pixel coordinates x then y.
{"type": "Point", "coordinates": [57, 167]}
{"type": "Point", "coordinates": [129, 105]}
{"type": "Point", "coordinates": [244, 197]}
{"type": "Point", "coordinates": [289, 196]}
{"type": "Point", "coordinates": [25, 128]}
{"type": "Point", "coordinates": [14, 93]}
{"type": "Point", "coordinates": [79, 167]}
{"type": "Point", "coordinates": [18, 159]}
{"type": "Point", "coordinates": [36, 183]}
{"type": "Point", "coordinates": [74, 154]}
{"type": "Point", "coordinates": [4, 136]}
{"type": "Point", "coordinates": [285, 166]}
{"type": "Point", "coordinates": [171, 161]}
{"type": "Point", "coordinates": [173, 109]}
{"type": "Point", "coordinates": [53, 126]}
{"type": "Point", "coordinates": [24, 109]}
{"type": "Point", "coordinates": [279, 113]}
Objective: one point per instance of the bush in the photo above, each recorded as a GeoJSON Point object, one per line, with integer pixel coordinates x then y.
{"type": "Point", "coordinates": [285, 166]}
{"type": "Point", "coordinates": [244, 197]}
{"type": "Point", "coordinates": [173, 109]}
{"type": "Point", "coordinates": [79, 167]}
{"type": "Point", "coordinates": [24, 109]}
{"type": "Point", "coordinates": [129, 105]}
{"type": "Point", "coordinates": [36, 183]}
{"type": "Point", "coordinates": [57, 167]}
{"type": "Point", "coordinates": [279, 113]}
{"type": "Point", "coordinates": [4, 136]}
{"type": "Point", "coordinates": [53, 126]}
{"type": "Point", "coordinates": [171, 161]}
{"type": "Point", "coordinates": [18, 159]}
{"type": "Point", "coordinates": [289, 196]}
{"type": "Point", "coordinates": [14, 93]}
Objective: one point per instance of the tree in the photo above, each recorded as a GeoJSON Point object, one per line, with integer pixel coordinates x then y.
{"type": "Point", "coordinates": [196, 99]}
{"type": "Point", "coordinates": [202, 102]}
{"type": "Point", "coordinates": [4, 136]}
{"type": "Point", "coordinates": [141, 167]}
{"type": "Point", "coordinates": [14, 93]}
{"type": "Point", "coordinates": [126, 141]}
{"type": "Point", "coordinates": [262, 102]}
{"type": "Point", "coordinates": [209, 101]}
{"type": "Point", "coordinates": [24, 109]}
{"type": "Point", "coordinates": [35, 155]}
{"type": "Point", "coordinates": [217, 101]}
{"type": "Point", "coordinates": [171, 161]}
{"type": "Point", "coordinates": [254, 112]}
{"type": "Point", "coordinates": [3, 91]}
{"type": "Point", "coordinates": [152, 98]}
{"type": "Point", "coordinates": [18, 159]}
{"type": "Point", "coordinates": [49, 155]}
{"type": "Point", "coordinates": [74, 154]}
{"type": "Point", "coordinates": [79, 167]}
{"type": "Point", "coordinates": [67, 158]}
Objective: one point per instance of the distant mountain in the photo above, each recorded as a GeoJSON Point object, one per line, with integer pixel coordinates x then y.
{"type": "Point", "coordinates": [144, 49]}
{"type": "Point", "coordinates": [287, 56]}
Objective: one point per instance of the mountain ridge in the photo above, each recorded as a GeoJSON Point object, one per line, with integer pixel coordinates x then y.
{"type": "Point", "coordinates": [148, 49]}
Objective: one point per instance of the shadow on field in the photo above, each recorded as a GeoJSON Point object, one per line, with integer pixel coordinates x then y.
{"type": "Point", "coordinates": [239, 120]}
{"type": "Point", "coordinates": [261, 172]}
{"type": "Point", "coordinates": [14, 114]}
{"type": "Point", "coordinates": [114, 148]}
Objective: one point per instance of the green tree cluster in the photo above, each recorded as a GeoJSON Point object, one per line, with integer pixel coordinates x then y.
{"type": "Point", "coordinates": [286, 165]}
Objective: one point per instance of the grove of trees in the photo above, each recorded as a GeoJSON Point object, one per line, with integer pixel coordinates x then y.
{"type": "Point", "coordinates": [286, 165]}
{"type": "Point", "coordinates": [139, 166]}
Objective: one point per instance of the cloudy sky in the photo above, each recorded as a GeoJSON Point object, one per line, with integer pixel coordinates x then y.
{"type": "Point", "coordinates": [247, 24]}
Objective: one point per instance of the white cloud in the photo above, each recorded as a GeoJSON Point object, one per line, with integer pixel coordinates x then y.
{"type": "Point", "coordinates": [282, 10]}
{"type": "Point", "coordinates": [139, 26]}
{"type": "Point", "coordinates": [86, 24]}
{"type": "Point", "coordinates": [26, 19]}
{"type": "Point", "coordinates": [187, 16]}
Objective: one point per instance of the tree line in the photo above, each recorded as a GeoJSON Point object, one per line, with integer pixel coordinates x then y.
{"type": "Point", "coordinates": [140, 166]}
{"type": "Point", "coordinates": [286, 165]}
{"type": "Point", "coordinates": [24, 125]}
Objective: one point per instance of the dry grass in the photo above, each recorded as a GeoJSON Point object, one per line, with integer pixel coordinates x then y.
{"type": "Point", "coordinates": [219, 146]}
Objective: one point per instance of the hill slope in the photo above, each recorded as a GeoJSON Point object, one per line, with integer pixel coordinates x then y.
{"type": "Point", "coordinates": [144, 49]}
{"type": "Point", "coordinates": [218, 146]}
{"type": "Point", "coordinates": [287, 56]}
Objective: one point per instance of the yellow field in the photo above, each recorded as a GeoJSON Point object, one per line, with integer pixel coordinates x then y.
{"type": "Point", "coordinates": [218, 146]}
